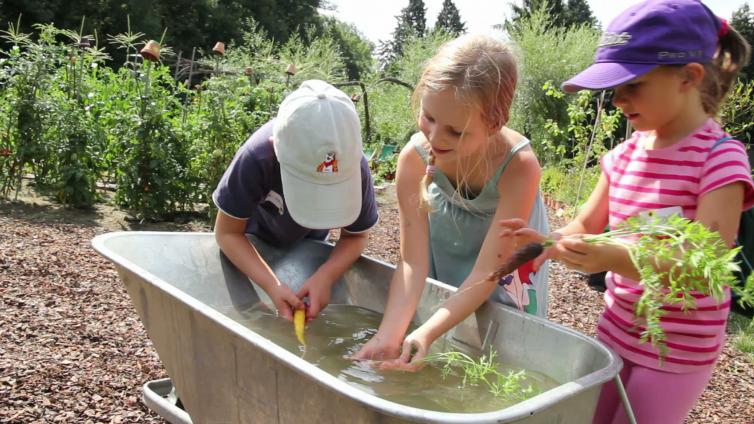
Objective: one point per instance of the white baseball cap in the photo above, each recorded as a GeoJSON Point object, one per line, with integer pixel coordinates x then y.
{"type": "Point", "coordinates": [317, 139]}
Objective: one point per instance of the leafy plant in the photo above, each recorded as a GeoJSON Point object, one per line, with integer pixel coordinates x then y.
{"type": "Point", "coordinates": [676, 258]}
{"type": "Point", "coordinates": [548, 53]}
{"type": "Point", "coordinates": [26, 76]}
{"type": "Point", "coordinates": [737, 112]}
{"type": "Point", "coordinates": [510, 386]}
{"type": "Point", "coordinates": [743, 328]}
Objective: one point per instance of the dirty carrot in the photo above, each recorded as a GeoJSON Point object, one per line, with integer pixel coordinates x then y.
{"type": "Point", "coordinates": [518, 258]}
{"type": "Point", "coordinates": [299, 320]}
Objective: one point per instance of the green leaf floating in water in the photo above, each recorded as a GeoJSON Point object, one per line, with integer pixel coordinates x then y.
{"type": "Point", "coordinates": [510, 386]}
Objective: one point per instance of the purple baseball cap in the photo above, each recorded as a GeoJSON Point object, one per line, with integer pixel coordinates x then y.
{"type": "Point", "coordinates": [646, 35]}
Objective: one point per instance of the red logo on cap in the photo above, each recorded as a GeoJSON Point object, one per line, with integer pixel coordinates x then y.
{"type": "Point", "coordinates": [330, 164]}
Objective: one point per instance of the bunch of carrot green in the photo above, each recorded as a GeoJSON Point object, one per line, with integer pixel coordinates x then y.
{"type": "Point", "coordinates": [676, 259]}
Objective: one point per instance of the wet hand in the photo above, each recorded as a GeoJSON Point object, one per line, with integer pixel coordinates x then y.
{"type": "Point", "coordinates": [318, 292]}
{"type": "Point", "coordinates": [414, 350]}
{"type": "Point", "coordinates": [285, 300]}
{"type": "Point", "coordinates": [378, 348]}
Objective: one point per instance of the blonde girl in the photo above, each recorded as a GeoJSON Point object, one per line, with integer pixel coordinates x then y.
{"type": "Point", "coordinates": [462, 171]}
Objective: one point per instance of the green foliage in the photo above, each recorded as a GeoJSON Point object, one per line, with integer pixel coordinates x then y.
{"type": "Point", "coordinates": [78, 136]}
{"type": "Point", "coordinates": [737, 112]}
{"type": "Point", "coordinates": [743, 22]}
{"type": "Point", "coordinates": [320, 59]}
{"type": "Point", "coordinates": [412, 24]}
{"type": "Point", "coordinates": [743, 328]}
{"type": "Point", "coordinates": [510, 386]}
{"type": "Point", "coordinates": [578, 12]}
{"type": "Point", "coordinates": [221, 116]}
{"type": "Point", "coordinates": [548, 54]}
{"type": "Point", "coordinates": [151, 178]}
{"type": "Point", "coordinates": [572, 151]}
{"type": "Point", "coordinates": [354, 48]}
{"type": "Point", "coordinates": [392, 117]}
{"type": "Point", "coordinates": [449, 19]}
{"type": "Point", "coordinates": [26, 76]}
{"type": "Point", "coordinates": [191, 23]}
{"type": "Point", "coordinates": [569, 185]}
{"type": "Point", "coordinates": [562, 15]}
{"type": "Point", "coordinates": [588, 133]}
{"type": "Point", "coordinates": [693, 258]}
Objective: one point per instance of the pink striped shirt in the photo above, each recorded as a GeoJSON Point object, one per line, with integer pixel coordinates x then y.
{"type": "Point", "coordinates": [678, 175]}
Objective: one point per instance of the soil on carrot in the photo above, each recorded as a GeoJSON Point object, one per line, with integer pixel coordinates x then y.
{"type": "Point", "coordinates": [72, 348]}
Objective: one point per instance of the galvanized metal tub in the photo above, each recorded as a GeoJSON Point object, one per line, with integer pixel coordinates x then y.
{"type": "Point", "coordinates": [188, 294]}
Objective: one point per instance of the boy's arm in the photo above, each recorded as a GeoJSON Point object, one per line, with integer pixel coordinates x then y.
{"type": "Point", "coordinates": [230, 236]}
{"type": "Point", "coordinates": [318, 286]}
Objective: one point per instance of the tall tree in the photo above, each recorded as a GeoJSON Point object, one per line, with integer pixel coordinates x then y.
{"type": "Point", "coordinates": [412, 22]}
{"type": "Point", "coordinates": [574, 12]}
{"type": "Point", "coordinates": [449, 19]}
{"type": "Point", "coordinates": [578, 12]}
{"type": "Point", "coordinates": [743, 22]}
{"type": "Point", "coordinates": [556, 10]}
{"type": "Point", "coordinates": [356, 50]}
{"type": "Point", "coordinates": [416, 16]}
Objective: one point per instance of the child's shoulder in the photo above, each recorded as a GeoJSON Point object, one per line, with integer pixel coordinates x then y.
{"type": "Point", "coordinates": [705, 140]}
{"type": "Point", "coordinates": [259, 145]}
{"type": "Point", "coordinates": [417, 146]}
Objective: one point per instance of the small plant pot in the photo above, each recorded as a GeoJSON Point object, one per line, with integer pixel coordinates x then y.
{"type": "Point", "coordinates": [151, 51]}
{"type": "Point", "coordinates": [249, 71]}
{"type": "Point", "coordinates": [291, 70]}
{"type": "Point", "coordinates": [219, 48]}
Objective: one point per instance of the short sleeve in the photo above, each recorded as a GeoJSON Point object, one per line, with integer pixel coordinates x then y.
{"type": "Point", "coordinates": [611, 158]}
{"type": "Point", "coordinates": [369, 215]}
{"type": "Point", "coordinates": [727, 163]}
{"type": "Point", "coordinates": [241, 187]}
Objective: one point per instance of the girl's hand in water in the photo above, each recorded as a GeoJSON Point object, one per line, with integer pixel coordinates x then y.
{"type": "Point", "coordinates": [415, 348]}
{"type": "Point", "coordinates": [522, 235]}
{"type": "Point", "coordinates": [378, 348]}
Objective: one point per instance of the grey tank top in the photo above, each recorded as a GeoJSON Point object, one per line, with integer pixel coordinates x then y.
{"type": "Point", "coordinates": [458, 226]}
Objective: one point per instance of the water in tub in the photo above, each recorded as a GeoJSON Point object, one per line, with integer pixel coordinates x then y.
{"type": "Point", "coordinates": [339, 332]}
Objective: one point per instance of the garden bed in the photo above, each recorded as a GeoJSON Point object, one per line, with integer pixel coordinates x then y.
{"type": "Point", "coordinates": [72, 348]}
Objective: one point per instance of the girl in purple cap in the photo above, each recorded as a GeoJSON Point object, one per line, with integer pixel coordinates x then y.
{"type": "Point", "coordinates": [670, 64]}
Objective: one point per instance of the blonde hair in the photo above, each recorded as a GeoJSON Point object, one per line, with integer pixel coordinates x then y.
{"type": "Point", "coordinates": [732, 55]}
{"type": "Point", "coordinates": [482, 72]}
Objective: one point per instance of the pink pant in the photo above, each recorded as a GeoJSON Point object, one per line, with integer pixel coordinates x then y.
{"type": "Point", "coordinates": [655, 396]}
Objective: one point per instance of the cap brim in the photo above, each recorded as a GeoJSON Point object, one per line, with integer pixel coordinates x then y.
{"type": "Point", "coordinates": [319, 206]}
{"type": "Point", "coordinates": [600, 76]}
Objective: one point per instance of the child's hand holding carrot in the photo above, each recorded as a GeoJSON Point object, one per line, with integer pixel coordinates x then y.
{"type": "Point", "coordinates": [523, 235]}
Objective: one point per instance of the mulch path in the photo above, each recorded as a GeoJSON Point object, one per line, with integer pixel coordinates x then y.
{"type": "Point", "coordinates": [72, 348]}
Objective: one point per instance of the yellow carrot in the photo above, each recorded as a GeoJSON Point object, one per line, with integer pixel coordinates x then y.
{"type": "Point", "coordinates": [299, 320]}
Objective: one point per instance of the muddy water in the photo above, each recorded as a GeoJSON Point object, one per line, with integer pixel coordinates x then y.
{"type": "Point", "coordinates": [341, 330]}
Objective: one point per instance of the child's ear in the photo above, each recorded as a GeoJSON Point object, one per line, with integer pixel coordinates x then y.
{"type": "Point", "coordinates": [693, 75]}
{"type": "Point", "coordinates": [494, 127]}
